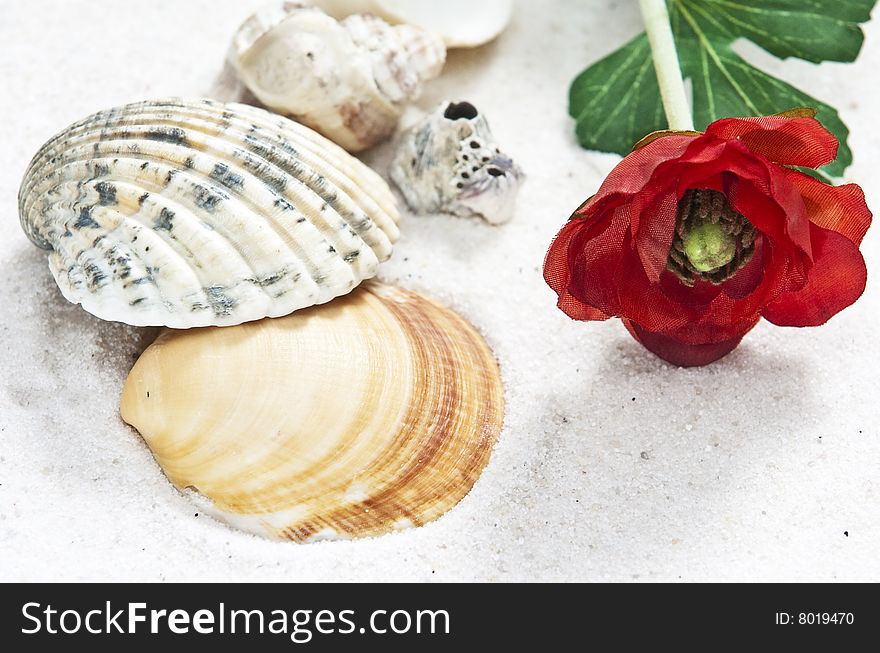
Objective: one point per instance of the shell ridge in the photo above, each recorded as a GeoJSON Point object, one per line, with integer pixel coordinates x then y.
{"type": "Point", "coordinates": [133, 194]}
{"type": "Point", "coordinates": [208, 146]}
{"type": "Point", "coordinates": [199, 294]}
{"type": "Point", "coordinates": [341, 160]}
{"type": "Point", "coordinates": [176, 107]}
{"type": "Point", "coordinates": [334, 199]}
{"type": "Point", "coordinates": [74, 291]}
{"type": "Point", "coordinates": [183, 253]}
{"type": "Point", "coordinates": [166, 167]}
{"type": "Point", "coordinates": [210, 130]}
{"type": "Point", "coordinates": [340, 165]}
{"type": "Point", "coordinates": [327, 151]}
{"type": "Point", "coordinates": [228, 236]}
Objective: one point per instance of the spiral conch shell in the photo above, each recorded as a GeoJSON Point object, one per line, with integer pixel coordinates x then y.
{"type": "Point", "coordinates": [461, 23]}
{"type": "Point", "coordinates": [189, 213]}
{"type": "Point", "coordinates": [450, 163]}
{"type": "Point", "coordinates": [348, 80]}
{"type": "Point", "coordinates": [373, 413]}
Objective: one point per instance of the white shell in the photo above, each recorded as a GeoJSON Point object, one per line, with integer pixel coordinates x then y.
{"type": "Point", "coordinates": [373, 413]}
{"type": "Point", "coordinates": [190, 213]}
{"type": "Point", "coordinates": [348, 80]}
{"type": "Point", "coordinates": [449, 163]}
{"type": "Point", "coordinates": [461, 23]}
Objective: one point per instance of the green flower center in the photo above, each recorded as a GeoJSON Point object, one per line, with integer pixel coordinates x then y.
{"type": "Point", "coordinates": [712, 242]}
{"type": "Point", "coordinates": [708, 247]}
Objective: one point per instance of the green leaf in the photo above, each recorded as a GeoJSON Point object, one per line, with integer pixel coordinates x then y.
{"type": "Point", "coordinates": [616, 98]}
{"type": "Point", "coordinates": [616, 101]}
{"type": "Point", "coordinates": [814, 30]}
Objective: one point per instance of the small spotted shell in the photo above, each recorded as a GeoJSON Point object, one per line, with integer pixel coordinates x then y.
{"type": "Point", "coordinates": [373, 413]}
{"type": "Point", "coordinates": [190, 213]}
{"type": "Point", "coordinates": [450, 163]}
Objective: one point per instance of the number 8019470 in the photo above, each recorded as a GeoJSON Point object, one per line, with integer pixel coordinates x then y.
{"type": "Point", "coordinates": [814, 618]}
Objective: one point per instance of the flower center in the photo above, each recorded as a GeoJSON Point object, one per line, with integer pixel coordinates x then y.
{"type": "Point", "coordinates": [708, 247]}
{"type": "Point", "coordinates": [712, 242]}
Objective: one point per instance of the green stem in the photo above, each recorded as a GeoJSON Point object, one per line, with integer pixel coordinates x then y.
{"type": "Point", "coordinates": [666, 65]}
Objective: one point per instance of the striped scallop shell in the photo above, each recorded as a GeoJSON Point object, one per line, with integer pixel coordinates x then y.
{"type": "Point", "coordinates": [373, 413]}
{"type": "Point", "coordinates": [189, 213]}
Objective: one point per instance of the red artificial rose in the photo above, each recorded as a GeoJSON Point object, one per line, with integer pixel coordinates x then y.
{"type": "Point", "coordinates": [693, 238]}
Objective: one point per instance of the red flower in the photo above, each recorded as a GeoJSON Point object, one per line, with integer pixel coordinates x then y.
{"type": "Point", "coordinates": [693, 238]}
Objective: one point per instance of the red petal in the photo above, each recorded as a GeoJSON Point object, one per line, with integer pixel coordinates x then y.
{"type": "Point", "coordinates": [698, 296]}
{"type": "Point", "coordinates": [785, 226]}
{"type": "Point", "coordinates": [679, 353]}
{"type": "Point", "coordinates": [643, 301]}
{"type": "Point", "coordinates": [657, 229]}
{"type": "Point", "coordinates": [791, 141]}
{"type": "Point", "coordinates": [835, 281]}
{"type": "Point", "coordinates": [744, 282]}
{"type": "Point", "coordinates": [592, 264]}
{"type": "Point", "coordinates": [711, 156]}
{"type": "Point", "coordinates": [838, 208]}
{"type": "Point", "coordinates": [635, 170]}
{"type": "Point", "coordinates": [791, 201]}
{"type": "Point", "coordinates": [557, 272]}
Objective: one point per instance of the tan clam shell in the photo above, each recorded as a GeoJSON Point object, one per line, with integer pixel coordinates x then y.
{"type": "Point", "coordinates": [373, 413]}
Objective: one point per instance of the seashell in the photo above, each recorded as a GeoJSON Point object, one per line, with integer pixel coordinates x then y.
{"type": "Point", "coordinates": [190, 213]}
{"type": "Point", "coordinates": [461, 23]}
{"type": "Point", "coordinates": [373, 413]}
{"type": "Point", "coordinates": [348, 80]}
{"type": "Point", "coordinates": [449, 163]}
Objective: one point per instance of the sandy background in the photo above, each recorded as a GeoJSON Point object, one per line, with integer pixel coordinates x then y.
{"type": "Point", "coordinates": [612, 465]}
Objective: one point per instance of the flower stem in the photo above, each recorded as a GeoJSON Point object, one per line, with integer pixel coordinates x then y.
{"type": "Point", "coordinates": [675, 103]}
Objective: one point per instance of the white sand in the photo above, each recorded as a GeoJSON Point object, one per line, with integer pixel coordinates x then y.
{"type": "Point", "coordinates": [612, 466]}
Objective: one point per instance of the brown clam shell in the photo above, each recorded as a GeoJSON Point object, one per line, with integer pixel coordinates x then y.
{"type": "Point", "coordinates": [373, 413]}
